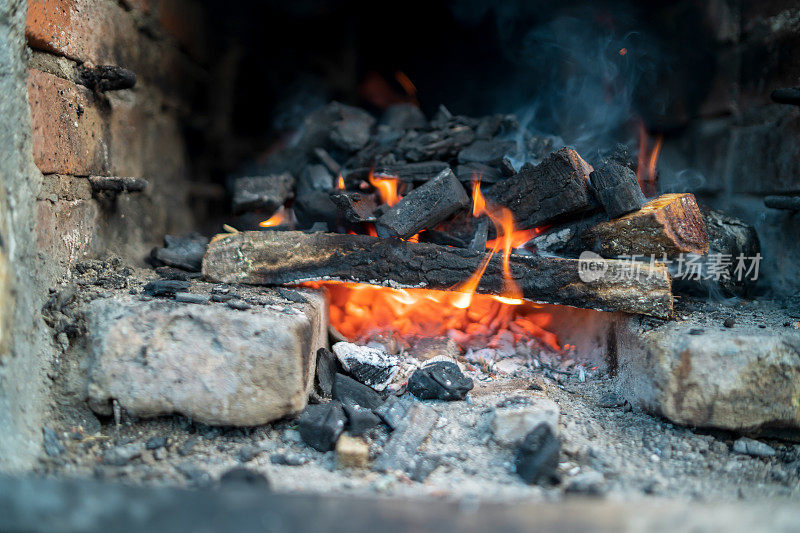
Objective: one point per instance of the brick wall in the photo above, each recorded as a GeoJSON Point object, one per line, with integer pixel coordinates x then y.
{"type": "Point", "coordinates": [136, 132]}
{"type": "Point", "coordinates": [743, 146]}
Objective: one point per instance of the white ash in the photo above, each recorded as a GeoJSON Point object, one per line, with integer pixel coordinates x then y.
{"type": "Point", "coordinates": [370, 366]}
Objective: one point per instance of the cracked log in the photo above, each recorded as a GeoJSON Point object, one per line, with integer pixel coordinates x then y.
{"type": "Point", "coordinates": [276, 258]}
{"type": "Point", "coordinates": [668, 225]}
{"type": "Point", "coordinates": [556, 189]}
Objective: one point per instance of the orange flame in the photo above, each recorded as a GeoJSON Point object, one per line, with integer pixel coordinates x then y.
{"type": "Point", "coordinates": [504, 224]}
{"type": "Point", "coordinates": [387, 188]}
{"type": "Point", "coordinates": [647, 160]}
{"type": "Point", "coordinates": [360, 312]}
{"type": "Point", "coordinates": [275, 220]}
{"type": "Point", "coordinates": [340, 183]}
{"type": "Point", "coordinates": [406, 83]}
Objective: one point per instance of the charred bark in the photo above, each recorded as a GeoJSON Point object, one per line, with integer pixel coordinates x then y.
{"type": "Point", "coordinates": [276, 258]}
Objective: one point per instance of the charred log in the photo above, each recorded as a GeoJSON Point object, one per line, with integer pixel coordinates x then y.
{"type": "Point", "coordinates": [276, 258]}
{"type": "Point", "coordinates": [617, 189]}
{"type": "Point", "coordinates": [355, 207]}
{"type": "Point", "coordinates": [424, 207]}
{"type": "Point", "coordinates": [555, 189]}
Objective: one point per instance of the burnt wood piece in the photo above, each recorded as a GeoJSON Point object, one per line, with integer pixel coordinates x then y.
{"type": "Point", "coordinates": [507, 168]}
{"type": "Point", "coordinates": [496, 125]}
{"type": "Point", "coordinates": [326, 159]}
{"type": "Point", "coordinates": [437, 144]}
{"type": "Point", "coordinates": [419, 172]}
{"type": "Point", "coordinates": [407, 172]}
{"type": "Point", "coordinates": [424, 207]}
{"type": "Point", "coordinates": [439, 237]}
{"type": "Point", "coordinates": [355, 207]}
{"type": "Point", "coordinates": [276, 258]}
{"type": "Point", "coordinates": [670, 224]}
{"type": "Point", "coordinates": [555, 189]}
{"type": "Point", "coordinates": [117, 184]}
{"type": "Point", "coordinates": [566, 239]}
{"type": "Point", "coordinates": [404, 117]}
{"type": "Point", "coordinates": [104, 78]}
{"type": "Point", "coordinates": [787, 203]}
{"type": "Point", "coordinates": [315, 178]}
{"type": "Point", "coordinates": [788, 95]}
{"type": "Point", "coordinates": [488, 152]}
{"type": "Point", "coordinates": [617, 188]}
{"type": "Point", "coordinates": [262, 193]}
{"type": "Point", "coordinates": [469, 172]}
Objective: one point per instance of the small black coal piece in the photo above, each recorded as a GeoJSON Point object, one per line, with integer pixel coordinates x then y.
{"type": "Point", "coordinates": [537, 456]}
{"type": "Point", "coordinates": [441, 380]}
{"type": "Point", "coordinates": [320, 425]}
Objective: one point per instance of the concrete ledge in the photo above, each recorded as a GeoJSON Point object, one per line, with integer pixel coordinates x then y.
{"type": "Point", "coordinates": [85, 505]}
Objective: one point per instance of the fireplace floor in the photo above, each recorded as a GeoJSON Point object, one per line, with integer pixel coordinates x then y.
{"type": "Point", "coordinates": [609, 448]}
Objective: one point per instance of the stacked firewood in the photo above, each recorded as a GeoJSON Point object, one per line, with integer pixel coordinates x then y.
{"type": "Point", "coordinates": [332, 179]}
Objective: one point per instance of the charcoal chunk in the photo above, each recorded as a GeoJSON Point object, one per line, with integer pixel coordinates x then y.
{"type": "Point", "coordinates": [441, 380]}
{"type": "Point", "coordinates": [320, 425]}
{"type": "Point", "coordinates": [263, 193]}
{"type": "Point", "coordinates": [165, 287]}
{"type": "Point", "coordinates": [355, 207]}
{"type": "Point", "coordinates": [404, 117]}
{"type": "Point", "coordinates": [351, 392]}
{"type": "Point", "coordinates": [327, 366]}
{"type": "Point", "coordinates": [424, 207]}
{"type": "Point", "coordinates": [617, 188]}
{"type": "Point", "coordinates": [185, 252]}
{"type": "Point", "coordinates": [537, 456]}
{"type": "Point", "coordinates": [367, 365]}
{"type": "Point", "coordinates": [469, 172]}
{"type": "Point", "coordinates": [311, 207]}
{"type": "Point", "coordinates": [489, 152]}
{"type": "Point", "coordinates": [351, 130]}
{"type": "Point", "coordinates": [359, 419]}
{"type": "Point", "coordinates": [315, 178]}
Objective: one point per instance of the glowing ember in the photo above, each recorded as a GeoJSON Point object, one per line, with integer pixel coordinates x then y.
{"type": "Point", "coordinates": [275, 220]}
{"type": "Point", "coordinates": [361, 312]}
{"type": "Point", "coordinates": [387, 188]}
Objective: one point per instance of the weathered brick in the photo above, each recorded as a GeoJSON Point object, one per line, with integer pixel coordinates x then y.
{"type": "Point", "coordinates": [60, 187]}
{"type": "Point", "coordinates": [97, 31]}
{"type": "Point", "coordinates": [68, 130]}
{"type": "Point", "coordinates": [66, 232]}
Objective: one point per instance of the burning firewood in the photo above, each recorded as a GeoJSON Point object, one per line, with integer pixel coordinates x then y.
{"type": "Point", "coordinates": [670, 224]}
{"type": "Point", "coordinates": [617, 189]}
{"type": "Point", "coordinates": [275, 258]}
{"type": "Point", "coordinates": [424, 207]}
{"type": "Point", "coordinates": [555, 189]}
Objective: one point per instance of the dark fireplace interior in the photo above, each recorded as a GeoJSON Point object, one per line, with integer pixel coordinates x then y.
{"type": "Point", "coordinates": [461, 254]}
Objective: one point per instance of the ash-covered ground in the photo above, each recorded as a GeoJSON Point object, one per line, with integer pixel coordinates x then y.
{"type": "Point", "coordinates": [608, 450]}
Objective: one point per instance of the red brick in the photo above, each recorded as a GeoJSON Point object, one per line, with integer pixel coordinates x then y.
{"type": "Point", "coordinates": [68, 130]}
{"type": "Point", "coordinates": [94, 31]}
